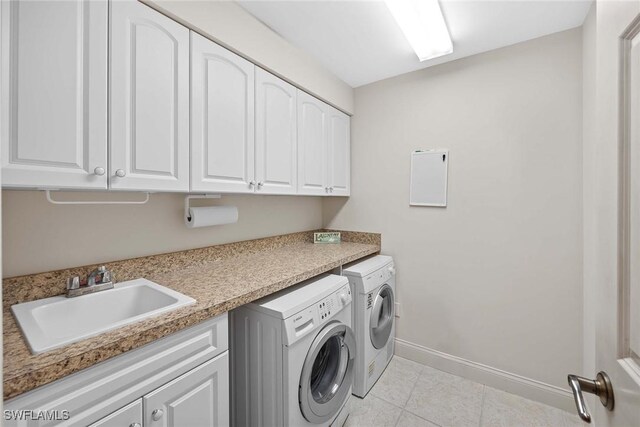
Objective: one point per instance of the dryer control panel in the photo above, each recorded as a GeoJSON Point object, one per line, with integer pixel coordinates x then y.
{"type": "Point", "coordinates": [374, 280]}
{"type": "Point", "coordinates": [309, 319]}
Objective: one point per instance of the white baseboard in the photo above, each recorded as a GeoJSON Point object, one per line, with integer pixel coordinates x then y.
{"type": "Point", "coordinates": [496, 378]}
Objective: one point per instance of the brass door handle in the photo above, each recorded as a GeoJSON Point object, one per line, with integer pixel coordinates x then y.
{"type": "Point", "coordinates": [601, 387]}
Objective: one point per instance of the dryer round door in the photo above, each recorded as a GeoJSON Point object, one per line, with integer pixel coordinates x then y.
{"type": "Point", "coordinates": [381, 320]}
{"type": "Point", "coordinates": [327, 373]}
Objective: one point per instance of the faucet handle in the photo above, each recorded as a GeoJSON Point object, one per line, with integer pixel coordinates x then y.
{"type": "Point", "coordinates": [73, 282]}
{"type": "Point", "coordinates": [107, 276]}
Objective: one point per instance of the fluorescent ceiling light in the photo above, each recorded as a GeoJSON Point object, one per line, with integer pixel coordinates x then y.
{"type": "Point", "coordinates": [423, 25]}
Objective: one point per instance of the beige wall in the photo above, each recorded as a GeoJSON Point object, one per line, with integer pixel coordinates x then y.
{"type": "Point", "coordinates": [494, 278]}
{"type": "Point", "coordinates": [233, 27]}
{"type": "Point", "coordinates": [38, 236]}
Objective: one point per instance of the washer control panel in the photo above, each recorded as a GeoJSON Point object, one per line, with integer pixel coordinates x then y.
{"type": "Point", "coordinates": [321, 312]}
{"type": "Point", "coordinates": [334, 302]}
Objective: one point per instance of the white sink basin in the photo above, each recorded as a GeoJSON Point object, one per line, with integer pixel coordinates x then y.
{"type": "Point", "coordinates": [58, 321]}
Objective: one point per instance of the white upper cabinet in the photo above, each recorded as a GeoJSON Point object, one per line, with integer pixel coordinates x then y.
{"type": "Point", "coordinates": [115, 95]}
{"type": "Point", "coordinates": [339, 153]}
{"type": "Point", "coordinates": [54, 93]}
{"type": "Point", "coordinates": [149, 100]}
{"type": "Point", "coordinates": [312, 145]}
{"type": "Point", "coordinates": [324, 142]}
{"type": "Point", "coordinates": [222, 119]}
{"type": "Point", "coordinates": [276, 139]}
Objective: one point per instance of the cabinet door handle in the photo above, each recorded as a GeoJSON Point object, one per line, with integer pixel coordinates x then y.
{"type": "Point", "coordinates": [252, 183]}
{"type": "Point", "coordinates": [260, 184]}
{"type": "Point", "coordinates": [135, 425]}
{"type": "Point", "coordinates": [120, 173]}
{"type": "Point", "coordinates": [98, 171]}
{"type": "Point", "coordinates": [157, 414]}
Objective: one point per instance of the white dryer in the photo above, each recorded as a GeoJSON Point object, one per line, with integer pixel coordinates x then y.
{"type": "Point", "coordinates": [373, 286]}
{"type": "Point", "coordinates": [293, 356]}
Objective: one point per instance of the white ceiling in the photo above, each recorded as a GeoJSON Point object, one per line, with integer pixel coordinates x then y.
{"type": "Point", "coordinates": [360, 42]}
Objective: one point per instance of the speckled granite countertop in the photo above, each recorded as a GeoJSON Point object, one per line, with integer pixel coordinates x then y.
{"type": "Point", "coordinates": [220, 278]}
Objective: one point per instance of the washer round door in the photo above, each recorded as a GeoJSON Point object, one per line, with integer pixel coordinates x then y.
{"type": "Point", "coordinates": [327, 373]}
{"type": "Point", "coordinates": [381, 320]}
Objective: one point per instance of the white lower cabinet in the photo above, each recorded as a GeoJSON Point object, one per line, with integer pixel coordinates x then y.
{"type": "Point", "coordinates": [178, 381]}
{"type": "Point", "coordinates": [129, 416]}
{"type": "Point", "coordinates": [198, 398]}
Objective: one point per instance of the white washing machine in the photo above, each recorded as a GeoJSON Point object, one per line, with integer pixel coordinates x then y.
{"type": "Point", "coordinates": [373, 286]}
{"type": "Point", "coordinates": [293, 356]}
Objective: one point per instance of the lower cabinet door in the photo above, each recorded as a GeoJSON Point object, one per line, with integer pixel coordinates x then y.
{"type": "Point", "coordinates": [129, 416]}
{"type": "Point", "coordinates": [198, 398]}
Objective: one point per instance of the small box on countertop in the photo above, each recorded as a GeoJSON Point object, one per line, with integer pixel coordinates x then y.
{"type": "Point", "coordinates": [327, 237]}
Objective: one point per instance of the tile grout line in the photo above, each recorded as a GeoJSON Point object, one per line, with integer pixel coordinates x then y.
{"type": "Point", "coordinates": [484, 389]}
{"type": "Point", "coordinates": [410, 394]}
{"type": "Point", "coordinates": [402, 408]}
{"type": "Point", "coordinates": [413, 388]}
{"type": "Point", "coordinates": [414, 385]}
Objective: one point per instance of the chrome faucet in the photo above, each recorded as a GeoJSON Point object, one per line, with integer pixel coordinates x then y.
{"type": "Point", "coordinates": [99, 279]}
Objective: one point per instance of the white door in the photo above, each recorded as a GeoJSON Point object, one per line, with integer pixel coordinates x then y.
{"type": "Point", "coordinates": [129, 416]}
{"type": "Point", "coordinates": [312, 145]}
{"type": "Point", "coordinates": [617, 211]}
{"type": "Point", "coordinates": [198, 398]}
{"type": "Point", "coordinates": [54, 93]}
{"type": "Point", "coordinates": [222, 119]}
{"type": "Point", "coordinates": [276, 139]}
{"type": "Point", "coordinates": [149, 100]}
{"type": "Point", "coordinates": [338, 154]}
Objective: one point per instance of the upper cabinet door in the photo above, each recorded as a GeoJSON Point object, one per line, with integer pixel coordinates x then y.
{"type": "Point", "coordinates": [54, 93]}
{"type": "Point", "coordinates": [222, 119]}
{"type": "Point", "coordinates": [339, 152]}
{"type": "Point", "coordinates": [312, 145]}
{"type": "Point", "coordinates": [276, 139]}
{"type": "Point", "coordinates": [149, 100]}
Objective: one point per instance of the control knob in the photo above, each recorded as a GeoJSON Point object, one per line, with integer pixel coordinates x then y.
{"type": "Point", "coordinates": [344, 297]}
{"type": "Point", "coordinates": [392, 270]}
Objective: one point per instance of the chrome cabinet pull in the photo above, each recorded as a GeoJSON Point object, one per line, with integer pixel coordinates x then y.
{"type": "Point", "coordinates": [98, 171]}
{"type": "Point", "coordinates": [120, 173]}
{"type": "Point", "coordinates": [601, 387]}
{"type": "Point", "coordinates": [157, 414]}
{"type": "Point", "coordinates": [135, 425]}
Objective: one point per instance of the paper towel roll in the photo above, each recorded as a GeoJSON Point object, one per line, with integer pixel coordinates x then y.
{"type": "Point", "coordinates": [211, 215]}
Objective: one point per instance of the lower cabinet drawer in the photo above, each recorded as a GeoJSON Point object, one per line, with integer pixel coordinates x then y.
{"type": "Point", "coordinates": [198, 398]}
{"type": "Point", "coordinates": [129, 416]}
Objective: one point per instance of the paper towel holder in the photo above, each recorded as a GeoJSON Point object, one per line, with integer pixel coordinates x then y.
{"type": "Point", "coordinates": [196, 196]}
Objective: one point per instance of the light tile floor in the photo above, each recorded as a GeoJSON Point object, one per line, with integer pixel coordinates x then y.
{"type": "Point", "coordinates": [413, 395]}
